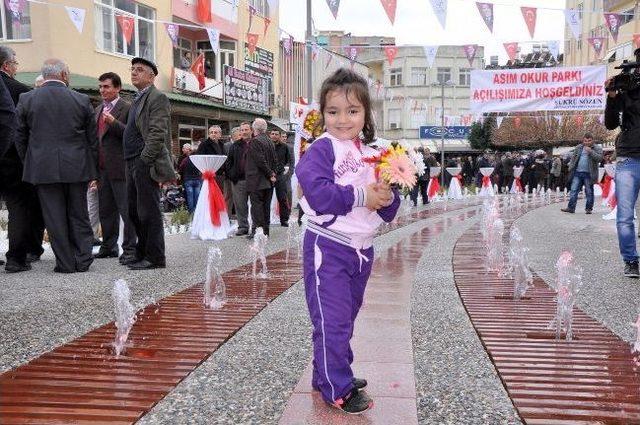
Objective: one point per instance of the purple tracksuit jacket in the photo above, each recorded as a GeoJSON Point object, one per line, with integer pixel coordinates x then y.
{"type": "Point", "coordinates": [338, 252]}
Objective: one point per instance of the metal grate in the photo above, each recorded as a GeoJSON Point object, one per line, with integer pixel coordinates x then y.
{"type": "Point", "coordinates": [588, 380]}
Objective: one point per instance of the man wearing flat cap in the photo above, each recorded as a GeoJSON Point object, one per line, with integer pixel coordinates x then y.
{"type": "Point", "coordinates": [146, 139]}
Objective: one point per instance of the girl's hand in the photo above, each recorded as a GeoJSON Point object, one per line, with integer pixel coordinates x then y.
{"type": "Point", "coordinates": [379, 195]}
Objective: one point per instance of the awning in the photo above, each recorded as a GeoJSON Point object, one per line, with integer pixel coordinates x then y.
{"type": "Point", "coordinates": [450, 145]}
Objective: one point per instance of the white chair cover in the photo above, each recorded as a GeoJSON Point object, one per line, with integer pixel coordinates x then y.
{"type": "Point", "coordinates": [597, 189]}
{"type": "Point", "coordinates": [487, 191]}
{"type": "Point", "coordinates": [455, 190]}
{"type": "Point", "coordinates": [610, 170]}
{"type": "Point", "coordinates": [201, 226]}
{"type": "Point", "coordinates": [433, 172]}
{"type": "Point", "coordinates": [517, 172]}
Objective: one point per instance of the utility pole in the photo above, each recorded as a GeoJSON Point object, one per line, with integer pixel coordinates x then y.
{"type": "Point", "coordinates": [442, 170]}
{"type": "Point", "coordinates": [309, 54]}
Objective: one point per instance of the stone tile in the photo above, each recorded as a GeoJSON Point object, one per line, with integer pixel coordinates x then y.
{"type": "Point", "coordinates": [312, 410]}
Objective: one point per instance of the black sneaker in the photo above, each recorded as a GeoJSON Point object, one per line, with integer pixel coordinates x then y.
{"type": "Point", "coordinates": [354, 403]}
{"type": "Point", "coordinates": [567, 210]}
{"type": "Point", "coordinates": [631, 269]}
{"type": "Point", "coordinates": [359, 383]}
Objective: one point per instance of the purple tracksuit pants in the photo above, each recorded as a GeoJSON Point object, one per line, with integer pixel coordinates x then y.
{"type": "Point", "coordinates": [335, 277]}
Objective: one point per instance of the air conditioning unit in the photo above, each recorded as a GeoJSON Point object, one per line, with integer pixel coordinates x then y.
{"type": "Point", "coordinates": [393, 125]}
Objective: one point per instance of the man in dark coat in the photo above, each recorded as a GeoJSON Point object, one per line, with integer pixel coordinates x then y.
{"type": "Point", "coordinates": [214, 145]}
{"type": "Point", "coordinates": [261, 171]}
{"type": "Point", "coordinates": [147, 136]}
{"type": "Point", "coordinates": [111, 116]}
{"type": "Point", "coordinates": [56, 140]}
{"type": "Point", "coordinates": [236, 172]}
{"type": "Point", "coordinates": [7, 127]}
{"type": "Point", "coordinates": [26, 226]}
{"type": "Point", "coordinates": [283, 156]}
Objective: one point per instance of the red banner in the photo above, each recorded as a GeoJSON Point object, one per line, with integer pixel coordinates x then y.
{"type": "Point", "coordinates": [390, 8]}
{"type": "Point", "coordinates": [126, 24]}
{"type": "Point", "coordinates": [486, 12]}
{"type": "Point", "coordinates": [434, 187]}
{"type": "Point", "coordinates": [216, 200]}
{"type": "Point", "coordinates": [197, 68]}
{"type": "Point", "coordinates": [203, 10]}
{"type": "Point", "coordinates": [267, 22]}
{"type": "Point", "coordinates": [252, 41]}
{"type": "Point", "coordinates": [512, 50]}
{"type": "Point", "coordinates": [391, 52]}
{"type": "Point", "coordinates": [530, 15]}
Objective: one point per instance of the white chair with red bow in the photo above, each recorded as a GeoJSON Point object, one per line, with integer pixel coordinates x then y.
{"type": "Point", "coordinates": [455, 186]}
{"type": "Point", "coordinates": [487, 186]}
{"type": "Point", "coordinates": [434, 184]}
{"type": "Point", "coordinates": [597, 188]}
{"type": "Point", "coordinates": [516, 186]}
{"type": "Point", "coordinates": [210, 218]}
{"type": "Point", "coordinates": [610, 200]}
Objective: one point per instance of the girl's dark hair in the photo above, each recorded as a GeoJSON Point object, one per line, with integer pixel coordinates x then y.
{"type": "Point", "coordinates": [351, 83]}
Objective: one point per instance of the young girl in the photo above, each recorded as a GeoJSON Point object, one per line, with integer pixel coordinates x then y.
{"type": "Point", "coordinates": [345, 205]}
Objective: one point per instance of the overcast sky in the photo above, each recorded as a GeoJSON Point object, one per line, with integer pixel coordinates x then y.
{"type": "Point", "coordinates": [415, 23]}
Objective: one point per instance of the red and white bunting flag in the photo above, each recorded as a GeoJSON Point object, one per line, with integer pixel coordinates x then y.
{"type": "Point", "coordinates": [530, 15]}
{"type": "Point", "coordinates": [512, 49]}
{"type": "Point", "coordinates": [597, 43]}
{"type": "Point", "coordinates": [391, 52]}
{"type": "Point", "coordinates": [203, 10]}
{"type": "Point", "coordinates": [76, 15]}
{"type": "Point", "coordinates": [252, 42]}
{"type": "Point", "coordinates": [486, 12]}
{"type": "Point", "coordinates": [636, 41]}
{"type": "Point", "coordinates": [314, 51]}
{"type": "Point", "coordinates": [352, 53]}
{"type": "Point", "coordinates": [390, 8]}
{"type": "Point", "coordinates": [430, 52]}
{"type": "Point", "coordinates": [267, 22]}
{"type": "Point", "coordinates": [470, 51]}
{"type": "Point", "coordinates": [126, 24]}
{"type": "Point", "coordinates": [172, 32]}
{"type": "Point", "coordinates": [613, 21]}
{"type": "Point", "coordinates": [197, 68]}
{"type": "Point", "coordinates": [329, 60]}
{"type": "Point", "coordinates": [334, 5]}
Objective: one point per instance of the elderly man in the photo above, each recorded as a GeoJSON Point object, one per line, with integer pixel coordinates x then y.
{"type": "Point", "coordinates": [146, 137]}
{"type": "Point", "coordinates": [26, 227]}
{"type": "Point", "coordinates": [236, 172]}
{"type": "Point", "coordinates": [214, 145]}
{"type": "Point", "coordinates": [261, 171]}
{"type": "Point", "coordinates": [584, 166]}
{"type": "Point", "coordinates": [228, 184]}
{"type": "Point", "coordinates": [55, 119]}
{"type": "Point", "coordinates": [111, 116]}
{"type": "Point", "coordinates": [283, 179]}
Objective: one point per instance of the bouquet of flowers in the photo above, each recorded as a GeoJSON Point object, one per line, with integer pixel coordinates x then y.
{"type": "Point", "coordinates": [394, 166]}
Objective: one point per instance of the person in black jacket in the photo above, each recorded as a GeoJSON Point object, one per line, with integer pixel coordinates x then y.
{"type": "Point", "coordinates": [283, 177]}
{"type": "Point", "coordinates": [26, 226]}
{"type": "Point", "coordinates": [235, 169]}
{"type": "Point", "coordinates": [627, 167]}
{"type": "Point", "coordinates": [261, 170]}
{"type": "Point", "coordinates": [214, 145]}
{"type": "Point", "coordinates": [191, 179]}
{"type": "Point", "coordinates": [55, 119]}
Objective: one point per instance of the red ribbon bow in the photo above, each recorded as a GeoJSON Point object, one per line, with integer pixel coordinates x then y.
{"type": "Point", "coordinates": [606, 186]}
{"type": "Point", "coordinates": [518, 184]}
{"type": "Point", "coordinates": [216, 200]}
{"type": "Point", "coordinates": [434, 187]}
{"type": "Point", "coordinates": [486, 181]}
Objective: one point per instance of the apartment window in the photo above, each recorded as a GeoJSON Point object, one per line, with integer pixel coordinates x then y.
{"type": "Point", "coordinates": [395, 118]}
{"type": "Point", "coordinates": [16, 23]}
{"type": "Point", "coordinates": [627, 16]}
{"type": "Point", "coordinates": [227, 56]}
{"type": "Point", "coordinates": [214, 66]}
{"type": "Point", "coordinates": [418, 76]}
{"type": "Point", "coordinates": [261, 6]}
{"type": "Point", "coordinates": [465, 76]}
{"type": "Point", "coordinates": [395, 77]}
{"type": "Point", "coordinates": [182, 54]}
{"type": "Point", "coordinates": [109, 35]}
{"type": "Point", "coordinates": [444, 75]}
{"type": "Point", "coordinates": [417, 117]}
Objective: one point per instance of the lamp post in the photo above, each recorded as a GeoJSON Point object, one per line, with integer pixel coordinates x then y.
{"type": "Point", "coordinates": [309, 54]}
{"type": "Point", "coordinates": [442, 85]}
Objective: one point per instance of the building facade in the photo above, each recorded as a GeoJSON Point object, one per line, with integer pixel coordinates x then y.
{"type": "Point", "coordinates": [41, 31]}
{"type": "Point", "coordinates": [580, 52]}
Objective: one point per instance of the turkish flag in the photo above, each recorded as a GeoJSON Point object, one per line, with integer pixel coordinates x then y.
{"type": "Point", "coordinates": [390, 8]}
{"type": "Point", "coordinates": [391, 52]}
{"type": "Point", "coordinates": [252, 41]}
{"type": "Point", "coordinates": [203, 10]}
{"type": "Point", "coordinates": [267, 22]}
{"type": "Point", "coordinates": [512, 50]}
{"type": "Point", "coordinates": [530, 15]}
{"type": "Point", "coordinates": [126, 24]}
{"type": "Point", "coordinates": [197, 67]}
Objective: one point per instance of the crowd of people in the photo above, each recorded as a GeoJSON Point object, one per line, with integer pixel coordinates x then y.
{"type": "Point", "coordinates": [78, 170]}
